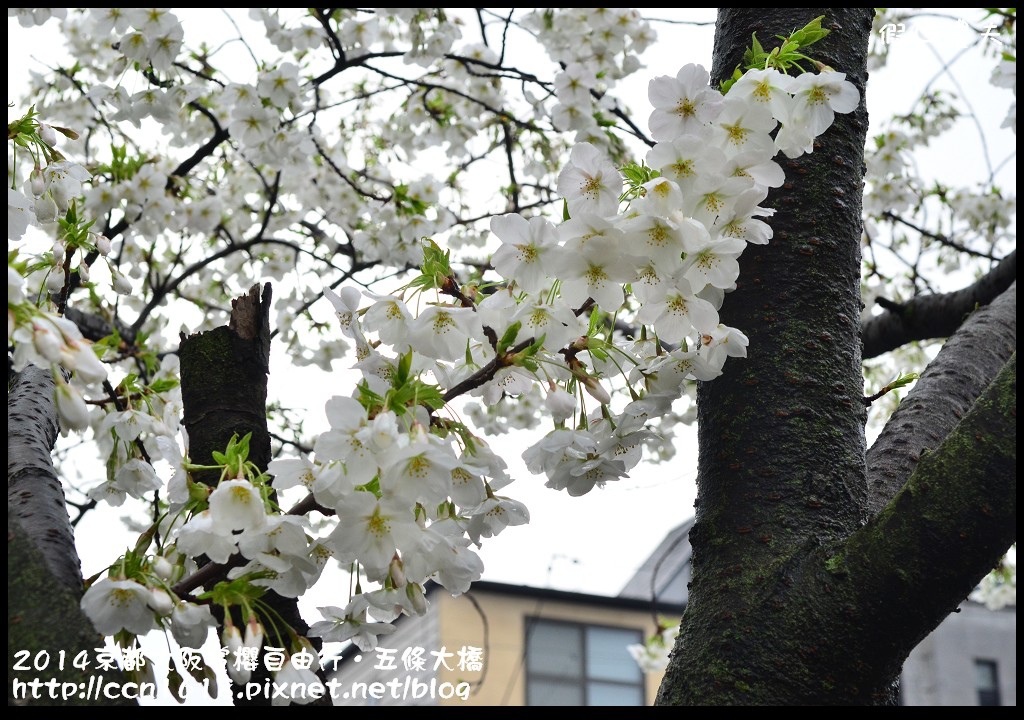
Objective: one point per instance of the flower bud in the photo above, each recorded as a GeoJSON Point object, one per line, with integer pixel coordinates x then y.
{"type": "Point", "coordinates": [47, 342]}
{"type": "Point", "coordinates": [163, 568]}
{"type": "Point", "coordinates": [160, 601]}
{"type": "Point", "coordinates": [103, 245]}
{"type": "Point", "coordinates": [120, 282]}
{"type": "Point", "coordinates": [416, 597]}
{"type": "Point", "coordinates": [560, 404]}
{"type": "Point", "coordinates": [253, 633]}
{"type": "Point", "coordinates": [396, 572]}
{"type": "Point", "coordinates": [37, 183]}
{"type": "Point", "coordinates": [55, 280]}
{"type": "Point", "coordinates": [596, 390]}
{"type": "Point", "coordinates": [231, 639]}
{"type": "Point", "coordinates": [71, 408]}
{"type": "Point", "coordinates": [47, 134]}
{"type": "Point", "coordinates": [46, 209]}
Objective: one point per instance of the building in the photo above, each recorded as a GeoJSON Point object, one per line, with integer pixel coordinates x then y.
{"type": "Point", "coordinates": [502, 644]}
{"type": "Point", "coordinates": [536, 646]}
{"type": "Point", "coordinates": [970, 659]}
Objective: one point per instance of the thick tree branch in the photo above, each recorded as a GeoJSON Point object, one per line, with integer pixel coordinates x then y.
{"type": "Point", "coordinates": [934, 316]}
{"type": "Point", "coordinates": [94, 327]}
{"type": "Point", "coordinates": [918, 558]}
{"type": "Point", "coordinates": [944, 393]}
{"type": "Point", "coordinates": [35, 498]}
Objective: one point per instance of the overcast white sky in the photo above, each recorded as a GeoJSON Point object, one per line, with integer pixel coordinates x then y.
{"type": "Point", "coordinates": [594, 543]}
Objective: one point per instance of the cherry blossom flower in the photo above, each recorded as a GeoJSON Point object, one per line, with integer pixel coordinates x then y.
{"type": "Point", "coordinates": [370, 531]}
{"type": "Point", "coordinates": [446, 555]}
{"type": "Point", "coordinates": [818, 97]}
{"type": "Point", "coordinates": [201, 536]}
{"type": "Point", "coordinates": [723, 341]}
{"type": "Point", "coordinates": [237, 505]}
{"type": "Point", "coordinates": [346, 305]}
{"type": "Point", "coordinates": [190, 624]}
{"type": "Point", "coordinates": [678, 314]}
{"type": "Point", "coordinates": [684, 159]}
{"type": "Point", "coordinates": [590, 183]}
{"type": "Point", "coordinates": [742, 127]}
{"type": "Point", "coordinates": [64, 182]}
{"type": "Point", "coordinates": [137, 477]}
{"type": "Point", "coordinates": [556, 322]}
{"type": "Point", "coordinates": [114, 605]}
{"type": "Point", "coordinates": [442, 331]}
{"type": "Point", "coordinates": [597, 274]}
{"type": "Point", "coordinates": [715, 264]}
{"type": "Point", "coordinates": [768, 88]}
{"type": "Point", "coordinates": [527, 246]}
{"type": "Point", "coordinates": [19, 216]}
{"type": "Point", "coordinates": [421, 471]}
{"type": "Point", "coordinates": [683, 104]}
{"type": "Point", "coordinates": [350, 623]}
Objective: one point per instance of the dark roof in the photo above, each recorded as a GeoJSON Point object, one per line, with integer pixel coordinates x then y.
{"type": "Point", "coordinates": [664, 574]}
{"type": "Point", "coordinates": [578, 598]}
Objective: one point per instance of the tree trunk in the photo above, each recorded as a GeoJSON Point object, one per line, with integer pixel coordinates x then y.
{"type": "Point", "coordinates": [224, 393]}
{"type": "Point", "coordinates": [46, 629]}
{"type": "Point", "coordinates": [35, 497]}
{"type": "Point", "coordinates": [794, 600]}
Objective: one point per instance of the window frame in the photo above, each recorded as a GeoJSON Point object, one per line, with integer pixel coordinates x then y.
{"type": "Point", "coordinates": [582, 682]}
{"type": "Point", "coordinates": [986, 695]}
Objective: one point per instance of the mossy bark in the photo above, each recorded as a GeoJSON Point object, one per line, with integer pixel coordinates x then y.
{"type": "Point", "coordinates": [945, 392]}
{"type": "Point", "coordinates": [224, 384]}
{"type": "Point", "coordinates": [44, 620]}
{"type": "Point", "coordinates": [801, 593]}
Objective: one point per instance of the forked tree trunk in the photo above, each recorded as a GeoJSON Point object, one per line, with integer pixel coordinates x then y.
{"type": "Point", "coordinates": [794, 599]}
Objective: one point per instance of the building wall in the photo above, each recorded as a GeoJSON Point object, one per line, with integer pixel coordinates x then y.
{"type": "Point", "coordinates": [503, 680]}
{"type": "Point", "coordinates": [940, 671]}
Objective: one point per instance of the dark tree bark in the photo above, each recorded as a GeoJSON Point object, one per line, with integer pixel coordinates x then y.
{"type": "Point", "coordinates": [934, 316]}
{"type": "Point", "coordinates": [224, 393]}
{"type": "Point", "coordinates": [794, 599]}
{"type": "Point", "coordinates": [224, 384]}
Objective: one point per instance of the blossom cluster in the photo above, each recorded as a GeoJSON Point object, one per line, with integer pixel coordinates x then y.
{"type": "Point", "coordinates": [412, 492]}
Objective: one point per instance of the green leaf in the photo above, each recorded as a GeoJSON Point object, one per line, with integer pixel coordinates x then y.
{"type": "Point", "coordinates": [509, 337]}
{"type": "Point", "coordinates": [239, 591]}
{"type": "Point", "coordinates": [163, 385]}
{"type": "Point", "coordinates": [404, 367]}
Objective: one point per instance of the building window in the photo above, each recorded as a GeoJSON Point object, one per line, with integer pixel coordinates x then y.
{"type": "Point", "coordinates": [986, 680]}
{"type": "Point", "coordinates": [573, 664]}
